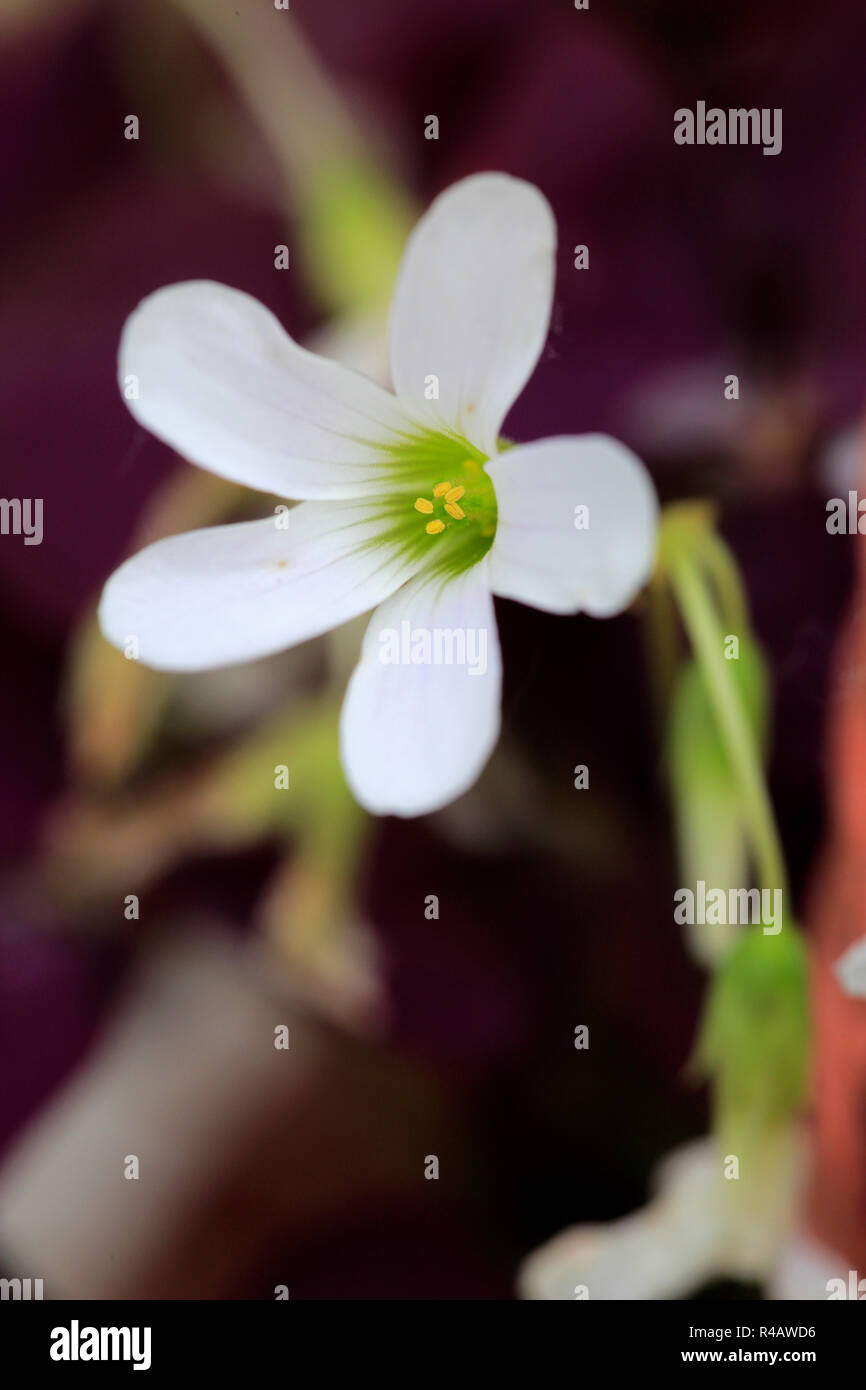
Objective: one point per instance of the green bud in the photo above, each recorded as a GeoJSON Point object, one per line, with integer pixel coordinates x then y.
{"type": "Point", "coordinates": [753, 1041]}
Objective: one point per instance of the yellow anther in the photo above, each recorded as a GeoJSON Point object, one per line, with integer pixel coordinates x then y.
{"type": "Point", "coordinates": [454, 494]}
{"type": "Point", "coordinates": [434, 527]}
{"type": "Point", "coordinates": [422, 505]}
{"type": "Point", "coordinates": [441, 488]}
{"type": "Point", "coordinates": [453, 510]}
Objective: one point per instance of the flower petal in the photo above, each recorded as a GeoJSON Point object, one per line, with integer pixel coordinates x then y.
{"type": "Point", "coordinates": [695, 1229]}
{"type": "Point", "coordinates": [233, 593]}
{"type": "Point", "coordinates": [664, 1250]}
{"type": "Point", "coordinates": [850, 970]}
{"type": "Point", "coordinates": [472, 304]}
{"type": "Point", "coordinates": [541, 556]}
{"type": "Point", "coordinates": [803, 1270]}
{"type": "Point", "coordinates": [415, 735]}
{"type": "Point", "coordinates": [220, 380]}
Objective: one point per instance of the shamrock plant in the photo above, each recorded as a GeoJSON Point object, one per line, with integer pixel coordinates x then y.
{"type": "Point", "coordinates": [410, 503]}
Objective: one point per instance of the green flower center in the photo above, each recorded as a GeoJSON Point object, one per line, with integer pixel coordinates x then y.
{"type": "Point", "coordinates": [440, 505]}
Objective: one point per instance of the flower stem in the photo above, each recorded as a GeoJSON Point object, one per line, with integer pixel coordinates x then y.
{"type": "Point", "coordinates": [721, 567]}
{"type": "Point", "coordinates": [699, 617]}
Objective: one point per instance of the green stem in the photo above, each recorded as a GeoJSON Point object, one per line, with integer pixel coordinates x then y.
{"type": "Point", "coordinates": [722, 569]}
{"type": "Point", "coordinates": [702, 625]}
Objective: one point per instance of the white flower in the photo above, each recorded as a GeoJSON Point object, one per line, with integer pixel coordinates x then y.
{"type": "Point", "coordinates": [412, 504]}
{"type": "Point", "coordinates": [700, 1226]}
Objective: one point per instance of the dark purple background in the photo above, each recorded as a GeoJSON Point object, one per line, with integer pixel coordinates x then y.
{"type": "Point", "coordinates": [718, 256]}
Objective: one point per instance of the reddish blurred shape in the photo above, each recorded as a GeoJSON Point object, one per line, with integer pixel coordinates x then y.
{"type": "Point", "coordinates": [837, 1206]}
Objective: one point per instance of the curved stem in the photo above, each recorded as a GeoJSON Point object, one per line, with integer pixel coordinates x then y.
{"type": "Point", "coordinates": [722, 569]}
{"type": "Point", "coordinates": [702, 625]}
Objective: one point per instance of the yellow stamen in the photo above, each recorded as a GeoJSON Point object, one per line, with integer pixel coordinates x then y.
{"type": "Point", "coordinates": [454, 494]}
{"type": "Point", "coordinates": [434, 527]}
{"type": "Point", "coordinates": [422, 505]}
{"type": "Point", "coordinates": [453, 510]}
{"type": "Point", "coordinates": [441, 488]}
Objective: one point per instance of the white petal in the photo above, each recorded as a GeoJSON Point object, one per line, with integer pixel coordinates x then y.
{"type": "Point", "coordinates": [665, 1250]}
{"type": "Point", "coordinates": [540, 557]}
{"type": "Point", "coordinates": [803, 1270]}
{"type": "Point", "coordinates": [415, 736]}
{"type": "Point", "coordinates": [850, 970]}
{"type": "Point", "coordinates": [220, 380]}
{"type": "Point", "coordinates": [697, 1228]}
{"type": "Point", "coordinates": [472, 304]}
{"type": "Point", "coordinates": [232, 593]}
